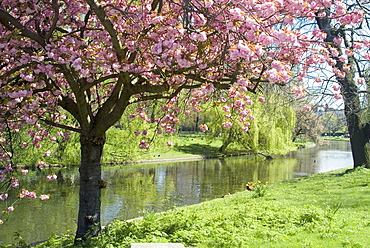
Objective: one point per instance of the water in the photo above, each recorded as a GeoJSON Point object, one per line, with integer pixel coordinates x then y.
{"type": "Point", "coordinates": [135, 189]}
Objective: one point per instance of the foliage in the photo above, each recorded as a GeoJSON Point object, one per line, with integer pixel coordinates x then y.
{"type": "Point", "coordinates": [260, 189]}
{"type": "Point", "coordinates": [334, 122]}
{"type": "Point", "coordinates": [328, 209]}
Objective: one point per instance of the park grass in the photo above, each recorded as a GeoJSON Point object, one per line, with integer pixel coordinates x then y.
{"type": "Point", "coordinates": [324, 210]}
{"type": "Point", "coordinates": [184, 146]}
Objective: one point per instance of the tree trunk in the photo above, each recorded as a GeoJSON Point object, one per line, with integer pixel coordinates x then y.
{"type": "Point", "coordinates": [358, 138]}
{"type": "Point", "coordinates": [90, 187]}
{"type": "Point", "coordinates": [352, 111]}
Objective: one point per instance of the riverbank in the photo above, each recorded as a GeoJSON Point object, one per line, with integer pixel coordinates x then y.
{"type": "Point", "coordinates": [324, 210]}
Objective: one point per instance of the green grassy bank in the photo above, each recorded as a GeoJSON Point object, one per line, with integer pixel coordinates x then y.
{"type": "Point", "coordinates": [324, 210]}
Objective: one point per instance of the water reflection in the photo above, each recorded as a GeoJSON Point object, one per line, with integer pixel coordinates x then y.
{"type": "Point", "coordinates": [132, 190]}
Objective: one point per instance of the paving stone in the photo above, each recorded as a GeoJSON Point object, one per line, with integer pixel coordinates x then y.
{"type": "Point", "coordinates": [157, 245]}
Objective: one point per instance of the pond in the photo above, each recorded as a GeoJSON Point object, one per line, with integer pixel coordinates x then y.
{"type": "Point", "coordinates": [133, 190]}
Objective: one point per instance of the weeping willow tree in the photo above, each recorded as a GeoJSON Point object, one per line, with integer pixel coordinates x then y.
{"type": "Point", "coordinates": [267, 128]}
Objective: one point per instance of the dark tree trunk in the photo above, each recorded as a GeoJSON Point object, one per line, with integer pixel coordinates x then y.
{"type": "Point", "coordinates": [358, 138]}
{"type": "Point", "coordinates": [352, 111]}
{"type": "Point", "coordinates": [90, 187]}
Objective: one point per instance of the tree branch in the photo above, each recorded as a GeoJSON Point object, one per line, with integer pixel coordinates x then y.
{"type": "Point", "coordinates": [108, 25]}
{"type": "Point", "coordinates": [100, 80]}
{"type": "Point", "coordinates": [52, 123]}
{"type": "Point", "coordinates": [55, 20]}
{"type": "Point", "coordinates": [6, 18]}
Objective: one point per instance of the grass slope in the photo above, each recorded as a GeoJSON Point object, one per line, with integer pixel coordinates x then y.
{"type": "Point", "coordinates": [323, 210]}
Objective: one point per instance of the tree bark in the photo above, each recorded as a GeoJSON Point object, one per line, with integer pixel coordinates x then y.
{"type": "Point", "coordinates": [90, 187]}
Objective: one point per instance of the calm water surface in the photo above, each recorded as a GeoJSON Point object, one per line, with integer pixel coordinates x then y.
{"type": "Point", "coordinates": [158, 187]}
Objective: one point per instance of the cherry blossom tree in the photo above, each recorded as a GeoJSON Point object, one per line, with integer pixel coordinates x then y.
{"type": "Point", "coordinates": [92, 59]}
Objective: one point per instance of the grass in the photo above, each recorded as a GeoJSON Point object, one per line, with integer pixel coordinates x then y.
{"type": "Point", "coordinates": [187, 146]}
{"type": "Point", "coordinates": [335, 138]}
{"type": "Point", "coordinates": [323, 210]}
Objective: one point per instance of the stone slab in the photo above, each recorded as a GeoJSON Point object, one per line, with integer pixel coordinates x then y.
{"type": "Point", "coordinates": [157, 245]}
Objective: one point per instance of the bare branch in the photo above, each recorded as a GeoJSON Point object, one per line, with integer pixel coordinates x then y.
{"type": "Point", "coordinates": [52, 123]}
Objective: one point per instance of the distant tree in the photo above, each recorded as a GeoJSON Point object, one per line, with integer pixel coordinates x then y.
{"type": "Point", "coordinates": [308, 126]}
{"type": "Point", "coordinates": [333, 122]}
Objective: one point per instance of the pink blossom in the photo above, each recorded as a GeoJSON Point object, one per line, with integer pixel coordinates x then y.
{"type": "Point", "coordinates": [319, 34]}
{"type": "Point", "coordinates": [169, 143]}
{"type": "Point", "coordinates": [336, 87]}
{"type": "Point", "coordinates": [338, 40]}
{"type": "Point", "coordinates": [202, 36]}
{"type": "Point", "coordinates": [357, 45]}
{"type": "Point", "coordinates": [77, 64]}
{"type": "Point", "coordinates": [144, 132]}
{"type": "Point", "coordinates": [349, 52]}
{"type": "Point", "coordinates": [341, 74]}
{"type": "Point", "coordinates": [11, 209]}
{"type": "Point", "coordinates": [262, 99]}
{"type": "Point", "coordinates": [307, 107]}
{"type": "Point", "coordinates": [41, 163]}
{"type": "Point", "coordinates": [24, 172]}
{"type": "Point", "coordinates": [346, 67]}
{"type": "Point", "coordinates": [334, 52]}
{"type": "Point", "coordinates": [28, 194]}
{"type": "Point", "coordinates": [360, 81]}
{"type": "Point", "coordinates": [245, 129]}
{"type": "Point", "coordinates": [208, 3]}
{"type": "Point", "coordinates": [143, 145]}
{"type": "Point", "coordinates": [44, 197]}
{"type": "Point", "coordinates": [251, 117]}
{"type": "Point", "coordinates": [3, 196]}
{"type": "Point", "coordinates": [343, 58]}
{"type": "Point", "coordinates": [1, 222]}
{"type": "Point", "coordinates": [47, 153]}
{"type": "Point", "coordinates": [223, 99]}
{"type": "Point", "coordinates": [227, 124]}
{"type": "Point", "coordinates": [14, 183]}
{"type": "Point", "coordinates": [337, 96]}
{"type": "Point", "coordinates": [226, 108]}
{"type": "Point", "coordinates": [51, 177]}
{"type": "Point", "coordinates": [203, 127]}
{"type": "Point", "coordinates": [52, 138]}
{"type": "Point", "coordinates": [245, 112]}
{"type": "Point", "coordinates": [137, 133]}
